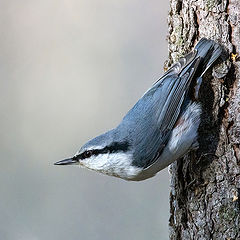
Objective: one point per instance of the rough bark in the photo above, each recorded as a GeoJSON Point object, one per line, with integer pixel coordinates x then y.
{"type": "Point", "coordinates": [205, 185]}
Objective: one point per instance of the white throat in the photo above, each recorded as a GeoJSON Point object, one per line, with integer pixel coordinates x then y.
{"type": "Point", "coordinates": [113, 164]}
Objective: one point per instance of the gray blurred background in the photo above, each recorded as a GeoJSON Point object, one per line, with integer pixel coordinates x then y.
{"type": "Point", "coordinates": [70, 70]}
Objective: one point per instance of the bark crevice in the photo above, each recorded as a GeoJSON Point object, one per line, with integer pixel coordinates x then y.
{"type": "Point", "coordinates": [204, 198]}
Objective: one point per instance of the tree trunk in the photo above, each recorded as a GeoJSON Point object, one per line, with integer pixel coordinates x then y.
{"type": "Point", "coordinates": [205, 185]}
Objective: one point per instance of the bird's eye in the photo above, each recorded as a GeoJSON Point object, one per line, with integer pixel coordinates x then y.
{"type": "Point", "coordinates": [87, 154]}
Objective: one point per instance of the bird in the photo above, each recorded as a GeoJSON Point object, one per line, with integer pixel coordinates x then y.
{"type": "Point", "coordinates": [160, 128]}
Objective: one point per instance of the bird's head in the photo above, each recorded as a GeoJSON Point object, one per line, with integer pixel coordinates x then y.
{"type": "Point", "coordinates": [106, 154]}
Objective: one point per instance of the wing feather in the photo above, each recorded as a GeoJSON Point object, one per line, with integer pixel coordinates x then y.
{"type": "Point", "coordinates": [166, 102]}
{"type": "Point", "coordinates": [149, 123]}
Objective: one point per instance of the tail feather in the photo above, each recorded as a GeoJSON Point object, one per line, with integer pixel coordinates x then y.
{"type": "Point", "coordinates": [208, 51]}
{"type": "Point", "coordinates": [205, 53]}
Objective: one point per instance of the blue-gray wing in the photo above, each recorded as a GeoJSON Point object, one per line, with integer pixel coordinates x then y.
{"type": "Point", "coordinates": [157, 119]}
{"type": "Point", "coordinates": [150, 122]}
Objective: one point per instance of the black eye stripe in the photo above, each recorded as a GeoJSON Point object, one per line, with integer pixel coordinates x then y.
{"type": "Point", "coordinates": [114, 147]}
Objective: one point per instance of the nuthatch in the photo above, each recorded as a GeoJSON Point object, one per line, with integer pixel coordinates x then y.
{"type": "Point", "coordinates": [160, 128]}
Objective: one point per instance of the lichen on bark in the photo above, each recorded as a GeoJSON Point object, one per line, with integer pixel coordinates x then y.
{"type": "Point", "coordinates": [205, 185]}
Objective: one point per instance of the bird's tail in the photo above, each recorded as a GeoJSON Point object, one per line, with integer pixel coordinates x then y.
{"type": "Point", "coordinates": [208, 51]}
{"type": "Point", "coordinates": [205, 53]}
{"type": "Point", "coordinates": [193, 66]}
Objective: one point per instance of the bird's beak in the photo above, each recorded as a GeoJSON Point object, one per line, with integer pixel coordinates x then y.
{"type": "Point", "coordinates": [68, 161]}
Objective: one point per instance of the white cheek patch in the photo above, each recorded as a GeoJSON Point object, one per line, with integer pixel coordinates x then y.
{"type": "Point", "coordinates": [114, 164]}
